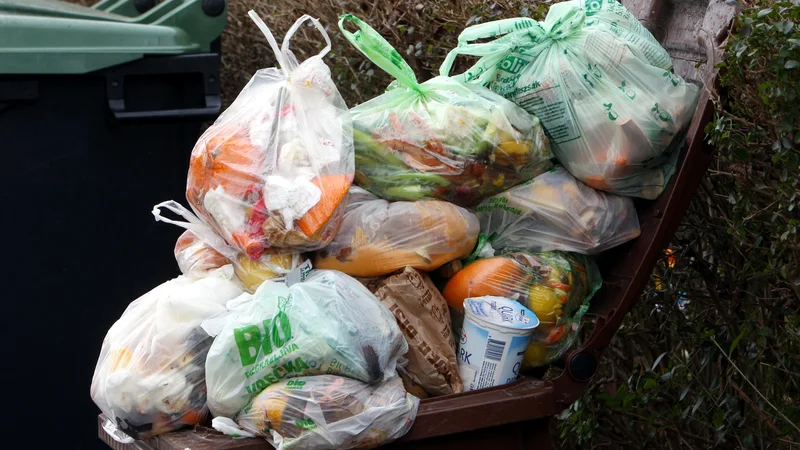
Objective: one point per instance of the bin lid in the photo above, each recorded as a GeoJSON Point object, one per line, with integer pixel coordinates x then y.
{"type": "Point", "coordinates": [54, 37]}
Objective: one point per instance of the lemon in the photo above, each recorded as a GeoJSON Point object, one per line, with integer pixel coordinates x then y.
{"type": "Point", "coordinates": [253, 273]}
{"type": "Point", "coordinates": [544, 302]}
{"type": "Point", "coordinates": [536, 355]}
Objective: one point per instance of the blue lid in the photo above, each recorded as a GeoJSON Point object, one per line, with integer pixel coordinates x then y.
{"type": "Point", "coordinates": [501, 311]}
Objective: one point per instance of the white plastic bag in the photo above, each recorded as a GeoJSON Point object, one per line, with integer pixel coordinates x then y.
{"type": "Point", "coordinates": [327, 324]}
{"type": "Point", "coordinates": [149, 378]}
{"type": "Point", "coordinates": [199, 249]}
{"type": "Point", "coordinates": [328, 412]}
{"type": "Point", "coordinates": [599, 82]}
{"type": "Point", "coordinates": [554, 211]}
{"type": "Point", "coordinates": [274, 169]}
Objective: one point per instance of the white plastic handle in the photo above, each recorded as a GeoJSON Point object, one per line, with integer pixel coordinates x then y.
{"type": "Point", "coordinates": [193, 224]}
{"type": "Point", "coordinates": [272, 42]}
{"type": "Point", "coordinates": [296, 26]}
{"type": "Point", "coordinates": [282, 54]}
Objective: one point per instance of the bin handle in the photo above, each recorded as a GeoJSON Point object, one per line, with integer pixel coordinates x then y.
{"type": "Point", "coordinates": [210, 111]}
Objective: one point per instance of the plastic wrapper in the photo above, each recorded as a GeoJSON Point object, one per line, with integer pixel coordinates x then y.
{"type": "Point", "coordinates": [378, 237]}
{"type": "Point", "coordinates": [195, 256]}
{"type": "Point", "coordinates": [422, 314]}
{"type": "Point", "coordinates": [554, 211]}
{"type": "Point", "coordinates": [150, 378]}
{"type": "Point", "coordinates": [556, 286]}
{"type": "Point", "coordinates": [329, 412]}
{"type": "Point", "coordinates": [327, 324]}
{"type": "Point", "coordinates": [274, 169]}
{"type": "Point", "coordinates": [199, 249]}
{"type": "Point", "coordinates": [601, 84]}
{"type": "Point", "coordinates": [441, 139]}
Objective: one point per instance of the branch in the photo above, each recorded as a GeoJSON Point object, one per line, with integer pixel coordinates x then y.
{"type": "Point", "coordinates": [783, 416]}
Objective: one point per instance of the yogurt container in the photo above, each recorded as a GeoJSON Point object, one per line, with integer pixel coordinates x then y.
{"type": "Point", "coordinates": [493, 340]}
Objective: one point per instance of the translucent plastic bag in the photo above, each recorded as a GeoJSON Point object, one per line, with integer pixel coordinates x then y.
{"type": "Point", "coordinates": [329, 412]}
{"type": "Point", "coordinates": [195, 256]}
{"type": "Point", "coordinates": [441, 139]}
{"type": "Point", "coordinates": [274, 169]}
{"type": "Point", "coordinates": [600, 83]}
{"type": "Point", "coordinates": [378, 237]}
{"type": "Point", "coordinates": [556, 286]}
{"type": "Point", "coordinates": [150, 377]}
{"type": "Point", "coordinates": [327, 324]}
{"type": "Point", "coordinates": [554, 211]}
{"type": "Point", "coordinates": [199, 249]}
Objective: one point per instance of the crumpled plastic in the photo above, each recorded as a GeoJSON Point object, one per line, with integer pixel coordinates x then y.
{"type": "Point", "coordinates": [378, 237]}
{"type": "Point", "coordinates": [272, 173]}
{"type": "Point", "coordinates": [554, 211]}
{"type": "Point", "coordinates": [327, 412]}
{"type": "Point", "coordinates": [602, 86]}
{"type": "Point", "coordinates": [556, 286]}
{"type": "Point", "coordinates": [327, 324]}
{"type": "Point", "coordinates": [149, 378]}
{"type": "Point", "coordinates": [199, 249]}
{"type": "Point", "coordinates": [441, 139]}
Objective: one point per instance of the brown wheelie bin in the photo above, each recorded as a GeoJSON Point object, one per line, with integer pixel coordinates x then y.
{"type": "Point", "coordinates": [517, 415]}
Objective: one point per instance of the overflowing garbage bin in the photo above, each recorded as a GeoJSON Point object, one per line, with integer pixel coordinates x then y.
{"type": "Point", "coordinates": [99, 108]}
{"type": "Point", "coordinates": [464, 322]}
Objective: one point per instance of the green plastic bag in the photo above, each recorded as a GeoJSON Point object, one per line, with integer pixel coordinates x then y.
{"type": "Point", "coordinates": [601, 85]}
{"type": "Point", "coordinates": [442, 139]}
{"type": "Point", "coordinates": [327, 324]}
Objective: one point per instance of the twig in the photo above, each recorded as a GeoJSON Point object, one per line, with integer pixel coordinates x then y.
{"type": "Point", "coordinates": [759, 411]}
{"type": "Point", "coordinates": [783, 416]}
{"type": "Point", "coordinates": [683, 441]}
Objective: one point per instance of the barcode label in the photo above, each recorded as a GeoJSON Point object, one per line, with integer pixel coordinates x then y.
{"type": "Point", "coordinates": [495, 350]}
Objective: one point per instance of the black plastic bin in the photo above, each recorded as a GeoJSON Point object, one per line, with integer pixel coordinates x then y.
{"type": "Point", "coordinates": [85, 158]}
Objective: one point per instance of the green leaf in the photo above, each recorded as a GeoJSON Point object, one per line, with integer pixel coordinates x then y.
{"type": "Point", "coordinates": [718, 419]}
{"type": "Point", "coordinates": [697, 404]}
{"type": "Point", "coordinates": [735, 342]}
{"type": "Point", "coordinates": [764, 12]}
{"type": "Point", "coordinates": [791, 64]}
{"type": "Point", "coordinates": [684, 392]}
{"type": "Point", "coordinates": [627, 404]}
{"type": "Point", "coordinates": [658, 360]}
{"type": "Point", "coordinates": [784, 27]}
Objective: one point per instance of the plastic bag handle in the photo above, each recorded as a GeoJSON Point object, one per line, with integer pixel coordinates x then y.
{"type": "Point", "coordinates": [504, 28]}
{"type": "Point", "coordinates": [378, 50]}
{"type": "Point", "coordinates": [282, 63]}
{"type": "Point", "coordinates": [512, 32]}
{"type": "Point", "coordinates": [496, 50]}
{"type": "Point", "coordinates": [195, 225]}
{"type": "Point", "coordinates": [296, 26]}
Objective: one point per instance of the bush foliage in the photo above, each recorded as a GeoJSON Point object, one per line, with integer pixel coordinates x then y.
{"type": "Point", "coordinates": [710, 356]}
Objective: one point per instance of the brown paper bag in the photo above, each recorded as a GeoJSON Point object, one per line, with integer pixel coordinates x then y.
{"type": "Point", "coordinates": [424, 318]}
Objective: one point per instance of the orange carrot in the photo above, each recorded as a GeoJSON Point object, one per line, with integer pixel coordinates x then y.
{"type": "Point", "coordinates": [597, 182]}
{"type": "Point", "coordinates": [334, 189]}
{"type": "Point", "coordinates": [193, 417]}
